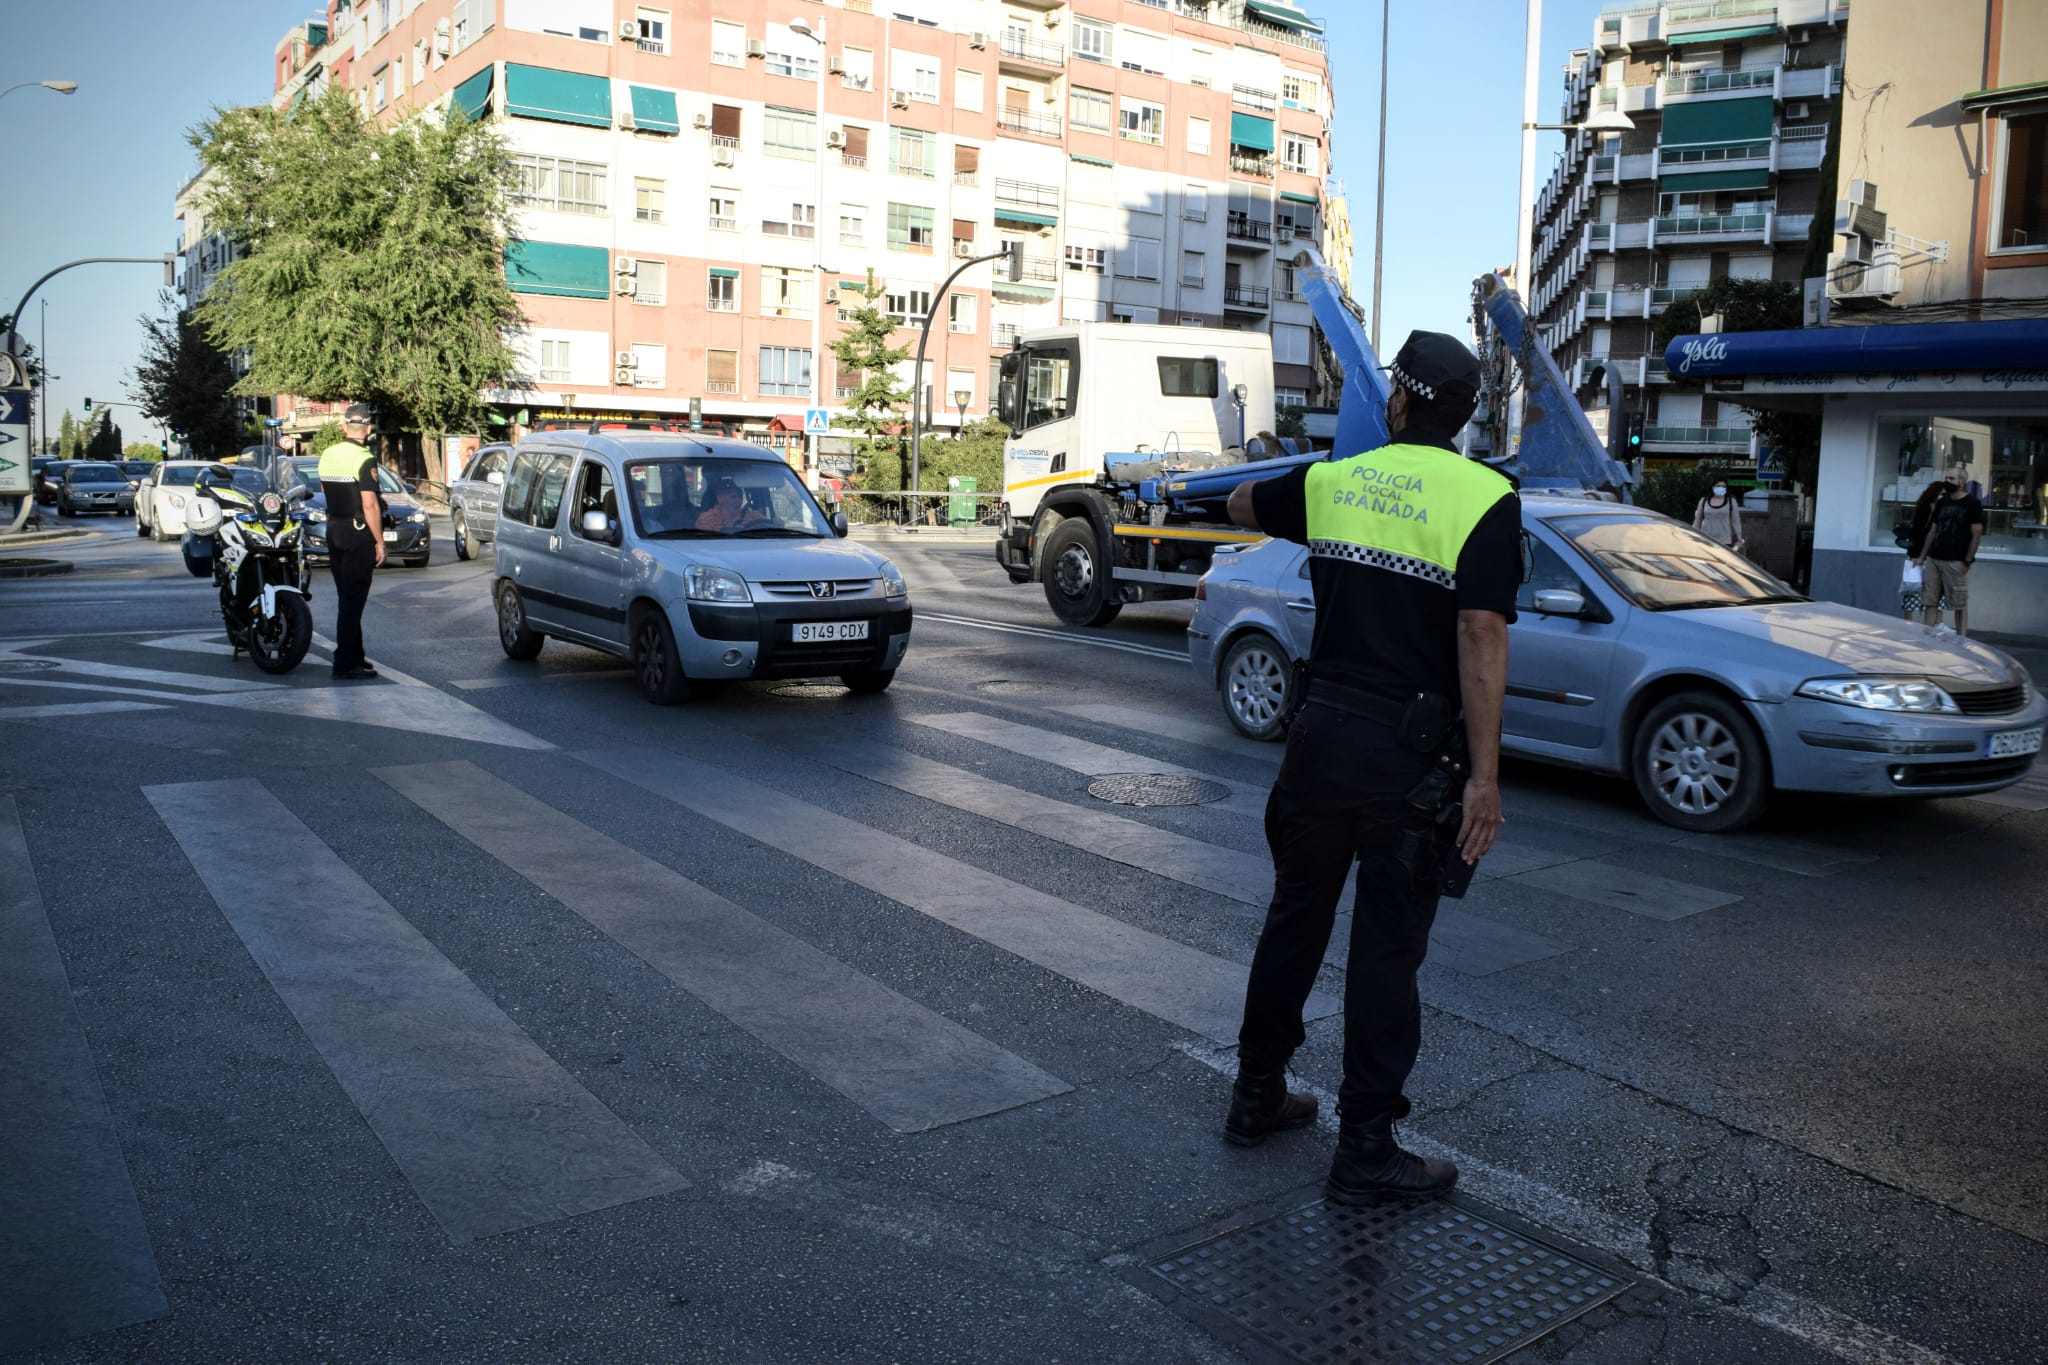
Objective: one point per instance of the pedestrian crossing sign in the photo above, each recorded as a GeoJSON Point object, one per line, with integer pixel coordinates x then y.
{"type": "Point", "coordinates": [817, 422]}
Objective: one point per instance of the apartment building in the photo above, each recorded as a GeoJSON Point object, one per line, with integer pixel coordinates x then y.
{"type": "Point", "coordinates": [1732, 103]}
{"type": "Point", "coordinates": [698, 189]}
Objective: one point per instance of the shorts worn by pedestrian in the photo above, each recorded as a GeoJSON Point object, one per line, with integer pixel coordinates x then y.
{"type": "Point", "coordinates": [1415, 558]}
{"type": "Point", "coordinates": [355, 537]}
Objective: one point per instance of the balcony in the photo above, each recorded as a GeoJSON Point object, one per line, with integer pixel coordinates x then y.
{"type": "Point", "coordinates": [1723, 439]}
{"type": "Point", "coordinates": [853, 159]}
{"type": "Point", "coordinates": [1259, 101]}
{"type": "Point", "coordinates": [1028, 123]}
{"type": "Point", "coordinates": [1655, 371]}
{"type": "Point", "coordinates": [1638, 99]}
{"type": "Point", "coordinates": [1688, 156]}
{"type": "Point", "coordinates": [1716, 82]}
{"type": "Point", "coordinates": [1259, 167]}
{"type": "Point", "coordinates": [1003, 335]}
{"type": "Point", "coordinates": [1239, 227]}
{"type": "Point", "coordinates": [1808, 82]}
{"type": "Point", "coordinates": [1790, 227]}
{"type": "Point", "coordinates": [969, 178]}
{"type": "Point", "coordinates": [1638, 166]}
{"type": "Point", "coordinates": [1664, 295]}
{"type": "Point", "coordinates": [1027, 52]}
{"type": "Point", "coordinates": [1713, 11]}
{"type": "Point", "coordinates": [1713, 225]}
{"type": "Point", "coordinates": [1800, 149]}
{"type": "Point", "coordinates": [1040, 276]}
{"type": "Point", "coordinates": [1245, 298]}
{"type": "Point", "coordinates": [1035, 200]}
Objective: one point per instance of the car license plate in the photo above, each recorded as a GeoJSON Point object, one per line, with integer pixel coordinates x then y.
{"type": "Point", "coordinates": [2014, 743]}
{"type": "Point", "coordinates": [391, 535]}
{"type": "Point", "coordinates": [824, 632]}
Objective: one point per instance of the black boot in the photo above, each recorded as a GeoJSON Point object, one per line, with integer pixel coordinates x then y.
{"type": "Point", "coordinates": [1370, 1166]}
{"type": "Point", "coordinates": [1260, 1104]}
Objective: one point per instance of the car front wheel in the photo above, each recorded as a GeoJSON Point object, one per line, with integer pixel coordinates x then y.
{"type": "Point", "coordinates": [1257, 680]}
{"type": "Point", "coordinates": [465, 544]}
{"type": "Point", "coordinates": [1699, 764]}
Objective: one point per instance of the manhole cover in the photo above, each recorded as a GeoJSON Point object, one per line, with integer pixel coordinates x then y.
{"type": "Point", "coordinates": [1390, 1284]}
{"type": "Point", "coordinates": [808, 691]}
{"type": "Point", "coordinates": [1156, 789]}
{"type": "Point", "coordinates": [1015, 687]}
{"type": "Point", "coordinates": [26, 665]}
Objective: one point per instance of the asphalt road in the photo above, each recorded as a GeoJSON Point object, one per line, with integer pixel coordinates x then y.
{"type": "Point", "coordinates": [487, 1011]}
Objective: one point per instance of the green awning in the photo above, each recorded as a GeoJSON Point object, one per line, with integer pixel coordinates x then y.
{"type": "Point", "coordinates": [1713, 180]}
{"type": "Point", "coordinates": [1721, 35]}
{"type": "Point", "coordinates": [721, 272]}
{"type": "Point", "coordinates": [576, 272]}
{"type": "Point", "coordinates": [1280, 14]}
{"type": "Point", "coordinates": [2005, 94]}
{"type": "Point", "coordinates": [1299, 198]}
{"type": "Point", "coordinates": [297, 100]}
{"type": "Point", "coordinates": [654, 111]}
{"type": "Point", "coordinates": [1006, 215]}
{"type": "Point", "coordinates": [1692, 121]}
{"type": "Point", "coordinates": [558, 96]}
{"type": "Point", "coordinates": [1093, 161]}
{"type": "Point", "coordinates": [854, 284]}
{"type": "Point", "coordinates": [1249, 130]}
{"type": "Point", "coordinates": [473, 96]}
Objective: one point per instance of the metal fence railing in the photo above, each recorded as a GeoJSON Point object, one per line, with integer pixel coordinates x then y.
{"type": "Point", "coordinates": [922, 509]}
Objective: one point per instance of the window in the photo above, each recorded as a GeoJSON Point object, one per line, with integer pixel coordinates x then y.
{"type": "Point", "coordinates": [853, 224]}
{"type": "Point", "coordinates": [967, 87]}
{"type": "Point", "coordinates": [653, 36]}
{"type": "Point", "coordinates": [725, 212]}
{"type": "Point", "coordinates": [1298, 153]}
{"type": "Point", "coordinates": [910, 228]}
{"type": "Point", "coordinates": [519, 482]}
{"type": "Point", "coordinates": [959, 387]}
{"type": "Point", "coordinates": [790, 132]}
{"type": "Point", "coordinates": [1193, 268]}
{"type": "Point", "coordinates": [721, 372]}
{"type": "Point", "coordinates": [2005, 455]}
{"type": "Point", "coordinates": [1182, 376]}
{"type": "Point", "coordinates": [1141, 121]}
{"type": "Point", "coordinates": [786, 371]}
{"type": "Point", "coordinates": [650, 366]}
{"type": "Point", "coordinates": [1198, 136]}
{"type": "Point", "coordinates": [548, 490]}
{"type": "Point", "coordinates": [1087, 260]}
{"type": "Point", "coordinates": [1091, 40]}
{"type": "Point", "coordinates": [1292, 213]}
{"type": "Point", "coordinates": [722, 289]}
{"type": "Point", "coordinates": [853, 146]}
{"type": "Point", "coordinates": [790, 55]}
{"type": "Point", "coordinates": [594, 489]}
{"type": "Point", "coordinates": [1088, 109]}
{"type": "Point", "coordinates": [915, 73]}
{"type": "Point", "coordinates": [650, 199]}
{"type": "Point", "coordinates": [728, 44]}
{"type": "Point", "coordinates": [650, 282]}
{"type": "Point", "coordinates": [962, 312]}
{"type": "Point", "coordinates": [1137, 258]}
{"type": "Point", "coordinates": [1290, 344]}
{"type": "Point", "coordinates": [908, 306]}
{"type": "Point", "coordinates": [725, 125]}
{"type": "Point", "coordinates": [966, 165]}
{"type": "Point", "coordinates": [910, 151]}
{"type": "Point", "coordinates": [1201, 67]}
{"type": "Point", "coordinates": [1138, 50]}
{"type": "Point", "coordinates": [1298, 92]}
{"type": "Point", "coordinates": [802, 222]}
{"type": "Point", "coordinates": [860, 68]}
{"type": "Point", "coordinates": [785, 292]}
{"type": "Point", "coordinates": [378, 80]}
{"type": "Point", "coordinates": [419, 61]}
{"type": "Point", "coordinates": [547, 182]}
{"type": "Point", "coordinates": [554, 362]}
{"type": "Point", "coordinates": [1194, 203]}
{"type": "Point", "coordinates": [1049, 374]}
{"type": "Point", "coordinates": [1283, 282]}
{"type": "Point", "coordinates": [2023, 205]}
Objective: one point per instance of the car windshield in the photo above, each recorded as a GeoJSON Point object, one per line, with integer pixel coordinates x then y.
{"type": "Point", "coordinates": [678, 498]}
{"type": "Point", "coordinates": [1662, 566]}
{"type": "Point", "coordinates": [92, 473]}
{"type": "Point", "coordinates": [182, 475]}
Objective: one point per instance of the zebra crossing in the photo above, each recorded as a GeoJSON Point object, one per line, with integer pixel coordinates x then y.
{"type": "Point", "coordinates": [493, 1134]}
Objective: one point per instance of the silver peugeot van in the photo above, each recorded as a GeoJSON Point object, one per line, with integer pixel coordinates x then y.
{"type": "Point", "coordinates": [698, 560]}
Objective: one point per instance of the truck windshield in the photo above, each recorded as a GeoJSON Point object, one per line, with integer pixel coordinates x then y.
{"type": "Point", "coordinates": [1048, 384]}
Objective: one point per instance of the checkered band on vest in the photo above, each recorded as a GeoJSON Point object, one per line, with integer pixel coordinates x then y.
{"type": "Point", "coordinates": [1384, 559]}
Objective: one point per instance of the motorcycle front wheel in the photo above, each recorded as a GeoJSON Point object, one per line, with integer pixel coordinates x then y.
{"type": "Point", "coordinates": [278, 644]}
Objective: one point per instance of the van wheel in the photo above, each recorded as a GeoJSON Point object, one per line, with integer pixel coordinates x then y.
{"type": "Point", "coordinates": [1257, 676]}
{"type": "Point", "coordinates": [657, 667]}
{"type": "Point", "coordinates": [868, 681]}
{"type": "Point", "coordinates": [1077, 585]}
{"type": "Point", "coordinates": [520, 640]}
{"type": "Point", "coordinates": [1700, 765]}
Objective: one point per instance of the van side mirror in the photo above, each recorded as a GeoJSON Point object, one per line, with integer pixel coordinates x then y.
{"type": "Point", "coordinates": [839, 524]}
{"type": "Point", "coordinates": [496, 478]}
{"type": "Point", "coordinates": [595, 525]}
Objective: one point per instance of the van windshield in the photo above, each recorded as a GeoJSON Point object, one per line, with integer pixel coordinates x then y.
{"type": "Point", "coordinates": [685, 498]}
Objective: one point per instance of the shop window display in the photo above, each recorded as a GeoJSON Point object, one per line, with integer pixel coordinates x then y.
{"type": "Point", "coordinates": [2007, 460]}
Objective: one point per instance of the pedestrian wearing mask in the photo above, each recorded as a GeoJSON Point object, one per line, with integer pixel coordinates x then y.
{"type": "Point", "coordinates": [1719, 518]}
{"type": "Point", "coordinates": [1950, 549]}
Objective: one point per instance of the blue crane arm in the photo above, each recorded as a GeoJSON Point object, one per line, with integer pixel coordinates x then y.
{"type": "Point", "coordinates": [1559, 447]}
{"type": "Point", "coordinates": [1362, 408]}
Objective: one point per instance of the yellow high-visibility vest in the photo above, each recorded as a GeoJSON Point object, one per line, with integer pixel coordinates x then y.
{"type": "Point", "coordinates": [1406, 508]}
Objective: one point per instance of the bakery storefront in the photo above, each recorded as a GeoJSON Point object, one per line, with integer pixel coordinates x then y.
{"type": "Point", "coordinates": [1899, 404]}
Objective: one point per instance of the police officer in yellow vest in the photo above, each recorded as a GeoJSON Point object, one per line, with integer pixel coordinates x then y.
{"type": "Point", "coordinates": [355, 536]}
{"type": "Point", "coordinates": [1415, 557]}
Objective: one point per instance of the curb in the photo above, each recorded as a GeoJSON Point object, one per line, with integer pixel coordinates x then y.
{"type": "Point", "coordinates": [39, 537]}
{"type": "Point", "coordinates": [34, 568]}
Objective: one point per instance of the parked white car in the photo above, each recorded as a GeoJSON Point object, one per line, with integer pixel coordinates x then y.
{"type": "Point", "coordinates": [163, 501]}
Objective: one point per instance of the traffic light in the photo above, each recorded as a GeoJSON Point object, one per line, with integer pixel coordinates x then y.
{"type": "Point", "coordinates": [1015, 265]}
{"type": "Point", "coordinates": [88, 405]}
{"type": "Point", "coordinates": [1635, 432]}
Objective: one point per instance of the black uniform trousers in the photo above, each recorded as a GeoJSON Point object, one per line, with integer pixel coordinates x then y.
{"type": "Point", "coordinates": [1341, 798]}
{"type": "Point", "coordinates": [352, 566]}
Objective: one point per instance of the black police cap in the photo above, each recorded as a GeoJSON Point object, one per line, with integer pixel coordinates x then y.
{"type": "Point", "coordinates": [1436, 366]}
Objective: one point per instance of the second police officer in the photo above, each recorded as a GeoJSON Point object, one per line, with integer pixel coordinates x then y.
{"type": "Point", "coordinates": [1392, 762]}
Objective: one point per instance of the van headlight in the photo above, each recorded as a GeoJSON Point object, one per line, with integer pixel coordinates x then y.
{"type": "Point", "coordinates": [707, 583]}
{"type": "Point", "coordinates": [891, 580]}
{"type": "Point", "coordinates": [1882, 694]}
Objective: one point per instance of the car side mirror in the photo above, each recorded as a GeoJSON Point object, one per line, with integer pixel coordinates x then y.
{"type": "Point", "coordinates": [496, 478]}
{"type": "Point", "coordinates": [839, 524]}
{"type": "Point", "coordinates": [1560, 602]}
{"type": "Point", "coordinates": [410, 487]}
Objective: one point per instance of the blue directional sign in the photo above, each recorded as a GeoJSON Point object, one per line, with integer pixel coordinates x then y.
{"type": "Point", "coordinates": [817, 422]}
{"type": "Point", "coordinates": [13, 407]}
{"type": "Point", "coordinates": [14, 449]}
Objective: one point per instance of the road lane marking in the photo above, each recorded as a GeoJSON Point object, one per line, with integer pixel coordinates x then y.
{"type": "Point", "coordinates": [1148, 972]}
{"type": "Point", "coordinates": [55, 710]}
{"type": "Point", "coordinates": [1623, 888]}
{"type": "Point", "coordinates": [910, 1067]}
{"type": "Point", "coordinates": [1172, 725]}
{"type": "Point", "coordinates": [530, 677]}
{"type": "Point", "coordinates": [94, 668]}
{"type": "Point", "coordinates": [1059, 636]}
{"type": "Point", "coordinates": [75, 1255]}
{"type": "Point", "coordinates": [491, 1133]}
{"type": "Point", "coordinates": [1775, 851]}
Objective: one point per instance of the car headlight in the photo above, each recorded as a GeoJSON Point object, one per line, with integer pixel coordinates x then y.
{"type": "Point", "coordinates": [178, 501]}
{"type": "Point", "coordinates": [1881, 694]}
{"type": "Point", "coordinates": [315, 517]}
{"type": "Point", "coordinates": [892, 580]}
{"type": "Point", "coordinates": [705, 583]}
{"type": "Point", "coordinates": [417, 516]}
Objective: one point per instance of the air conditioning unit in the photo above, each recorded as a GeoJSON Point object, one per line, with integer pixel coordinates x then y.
{"type": "Point", "coordinates": [701, 122]}
{"type": "Point", "coordinates": [624, 265]}
{"type": "Point", "coordinates": [1798, 109]}
{"type": "Point", "coordinates": [624, 360]}
{"type": "Point", "coordinates": [623, 378]}
{"type": "Point", "coordinates": [626, 119]}
{"type": "Point", "coordinates": [1052, 18]}
{"type": "Point", "coordinates": [1051, 95]}
{"type": "Point", "coordinates": [964, 250]}
{"type": "Point", "coordinates": [977, 40]}
{"type": "Point", "coordinates": [441, 44]}
{"type": "Point", "coordinates": [756, 48]}
{"type": "Point", "coordinates": [900, 98]}
{"type": "Point", "coordinates": [835, 139]}
{"type": "Point", "coordinates": [1798, 37]}
{"type": "Point", "coordinates": [837, 66]}
{"type": "Point", "coordinates": [722, 155]}
{"type": "Point", "coordinates": [629, 28]}
{"type": "Point", "coordinates": [1284, 232]}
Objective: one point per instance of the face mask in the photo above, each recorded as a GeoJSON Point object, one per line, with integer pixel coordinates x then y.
{"type": "Point", "coordinates": [1720, 490]}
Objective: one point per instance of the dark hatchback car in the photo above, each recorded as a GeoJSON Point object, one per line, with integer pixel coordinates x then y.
{"type": "Point", "coordinates": [89, 486]}
{"type": "Point", "coordinates": [407, 535]}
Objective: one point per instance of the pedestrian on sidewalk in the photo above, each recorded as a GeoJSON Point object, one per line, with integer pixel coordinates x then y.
{"type": "Point", "coordinates": [1913, 583]}
{"type": "Point", "coordinates": [1949, 550]}
{"type": "Point", "coordinates": [1719, 518]}
{"type": "Point", "coordinates": [1415, 558]}
{"type": "Point", "coordinates": [355, 536]}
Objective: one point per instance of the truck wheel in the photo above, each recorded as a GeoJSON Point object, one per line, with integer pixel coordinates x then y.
{"type": "Point", "coordinates": [1078, 586]}
{"type": "Point", "coordinates": [1256, 677]}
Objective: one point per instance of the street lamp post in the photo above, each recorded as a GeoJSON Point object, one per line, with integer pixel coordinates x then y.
{"type": "Point", "coordinates": [61, 87]}
{"type": "Point", "coordinates": [816, 441]}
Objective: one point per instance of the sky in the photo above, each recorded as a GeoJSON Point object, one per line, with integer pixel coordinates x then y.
{"type": "Point", "coordinates": [94, 173]}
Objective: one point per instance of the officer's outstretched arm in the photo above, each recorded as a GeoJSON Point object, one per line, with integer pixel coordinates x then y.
{"type": "Point", "coordinates": [1241, 506]}
{"type": "Point", "coordinates": [1482, 683]}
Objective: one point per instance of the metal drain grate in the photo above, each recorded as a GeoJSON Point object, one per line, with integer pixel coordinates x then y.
{"type": "Point", "coordinates": [1392, 1284]}
{"type": "Point", "coordinates": [809, 691]}
{"type": "Point", "coordinates": [1156, 789]}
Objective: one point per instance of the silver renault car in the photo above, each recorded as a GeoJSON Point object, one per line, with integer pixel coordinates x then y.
{"type": "Point", "coordinates": [698, 560]}
{"type": "Point", "coordinates": [1644, 650]}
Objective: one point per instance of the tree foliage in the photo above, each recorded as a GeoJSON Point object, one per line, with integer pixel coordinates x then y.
{"type": "Point", "coordinates": [105, 442]}
{"type": "Point", "coordinates": [67, 437]}
{"type": "Point", "coordinates": [328, 434]}
{"type": "Point", "coordinates": [1676, 489]}
{"type": "Point", "coordinates": [187, 383]}
{"type": "Point", "coordinates": [374, 265]}
{"type": "Point", "coordinates": [879, 402]}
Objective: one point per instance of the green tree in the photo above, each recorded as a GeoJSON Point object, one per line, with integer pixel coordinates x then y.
{"type": "Point", "coordinates": [976, 453]}
{"type": "Point", "coordinates": [142, 450]}
{"type": "Point", "coordinates": [1676, 489]}
{"type": "Point", "coordinates": [1754, 306]}
{"type": "Point", "coordinates": [106, 439]}
{"type": "Point", "coordinates": [374, 259]}
{"type": "Point", "coordinates": [878, 403]}
{"type": "Point", "coordinates": [330, 433]}
{"type": "Point", "coordinates": [67, 437]}
{"type": "Point", "coordinates": [187, 383]}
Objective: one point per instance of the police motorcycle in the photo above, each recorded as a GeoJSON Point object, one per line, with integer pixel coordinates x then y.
{"type": "Point", "coordinates": [253, 546]}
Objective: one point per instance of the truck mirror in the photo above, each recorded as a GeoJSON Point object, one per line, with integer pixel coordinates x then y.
{"type": "Point", "coordinates": [1006, 399]}
{"type": "Point", "coordinates": [1011, 361]}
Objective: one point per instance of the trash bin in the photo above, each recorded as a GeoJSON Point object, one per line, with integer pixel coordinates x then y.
{"type": "Point", "coordinates": [960, 500]}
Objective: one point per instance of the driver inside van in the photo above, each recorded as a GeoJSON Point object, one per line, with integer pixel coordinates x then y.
{"type": "Point", "coordinates": [730, 510]}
